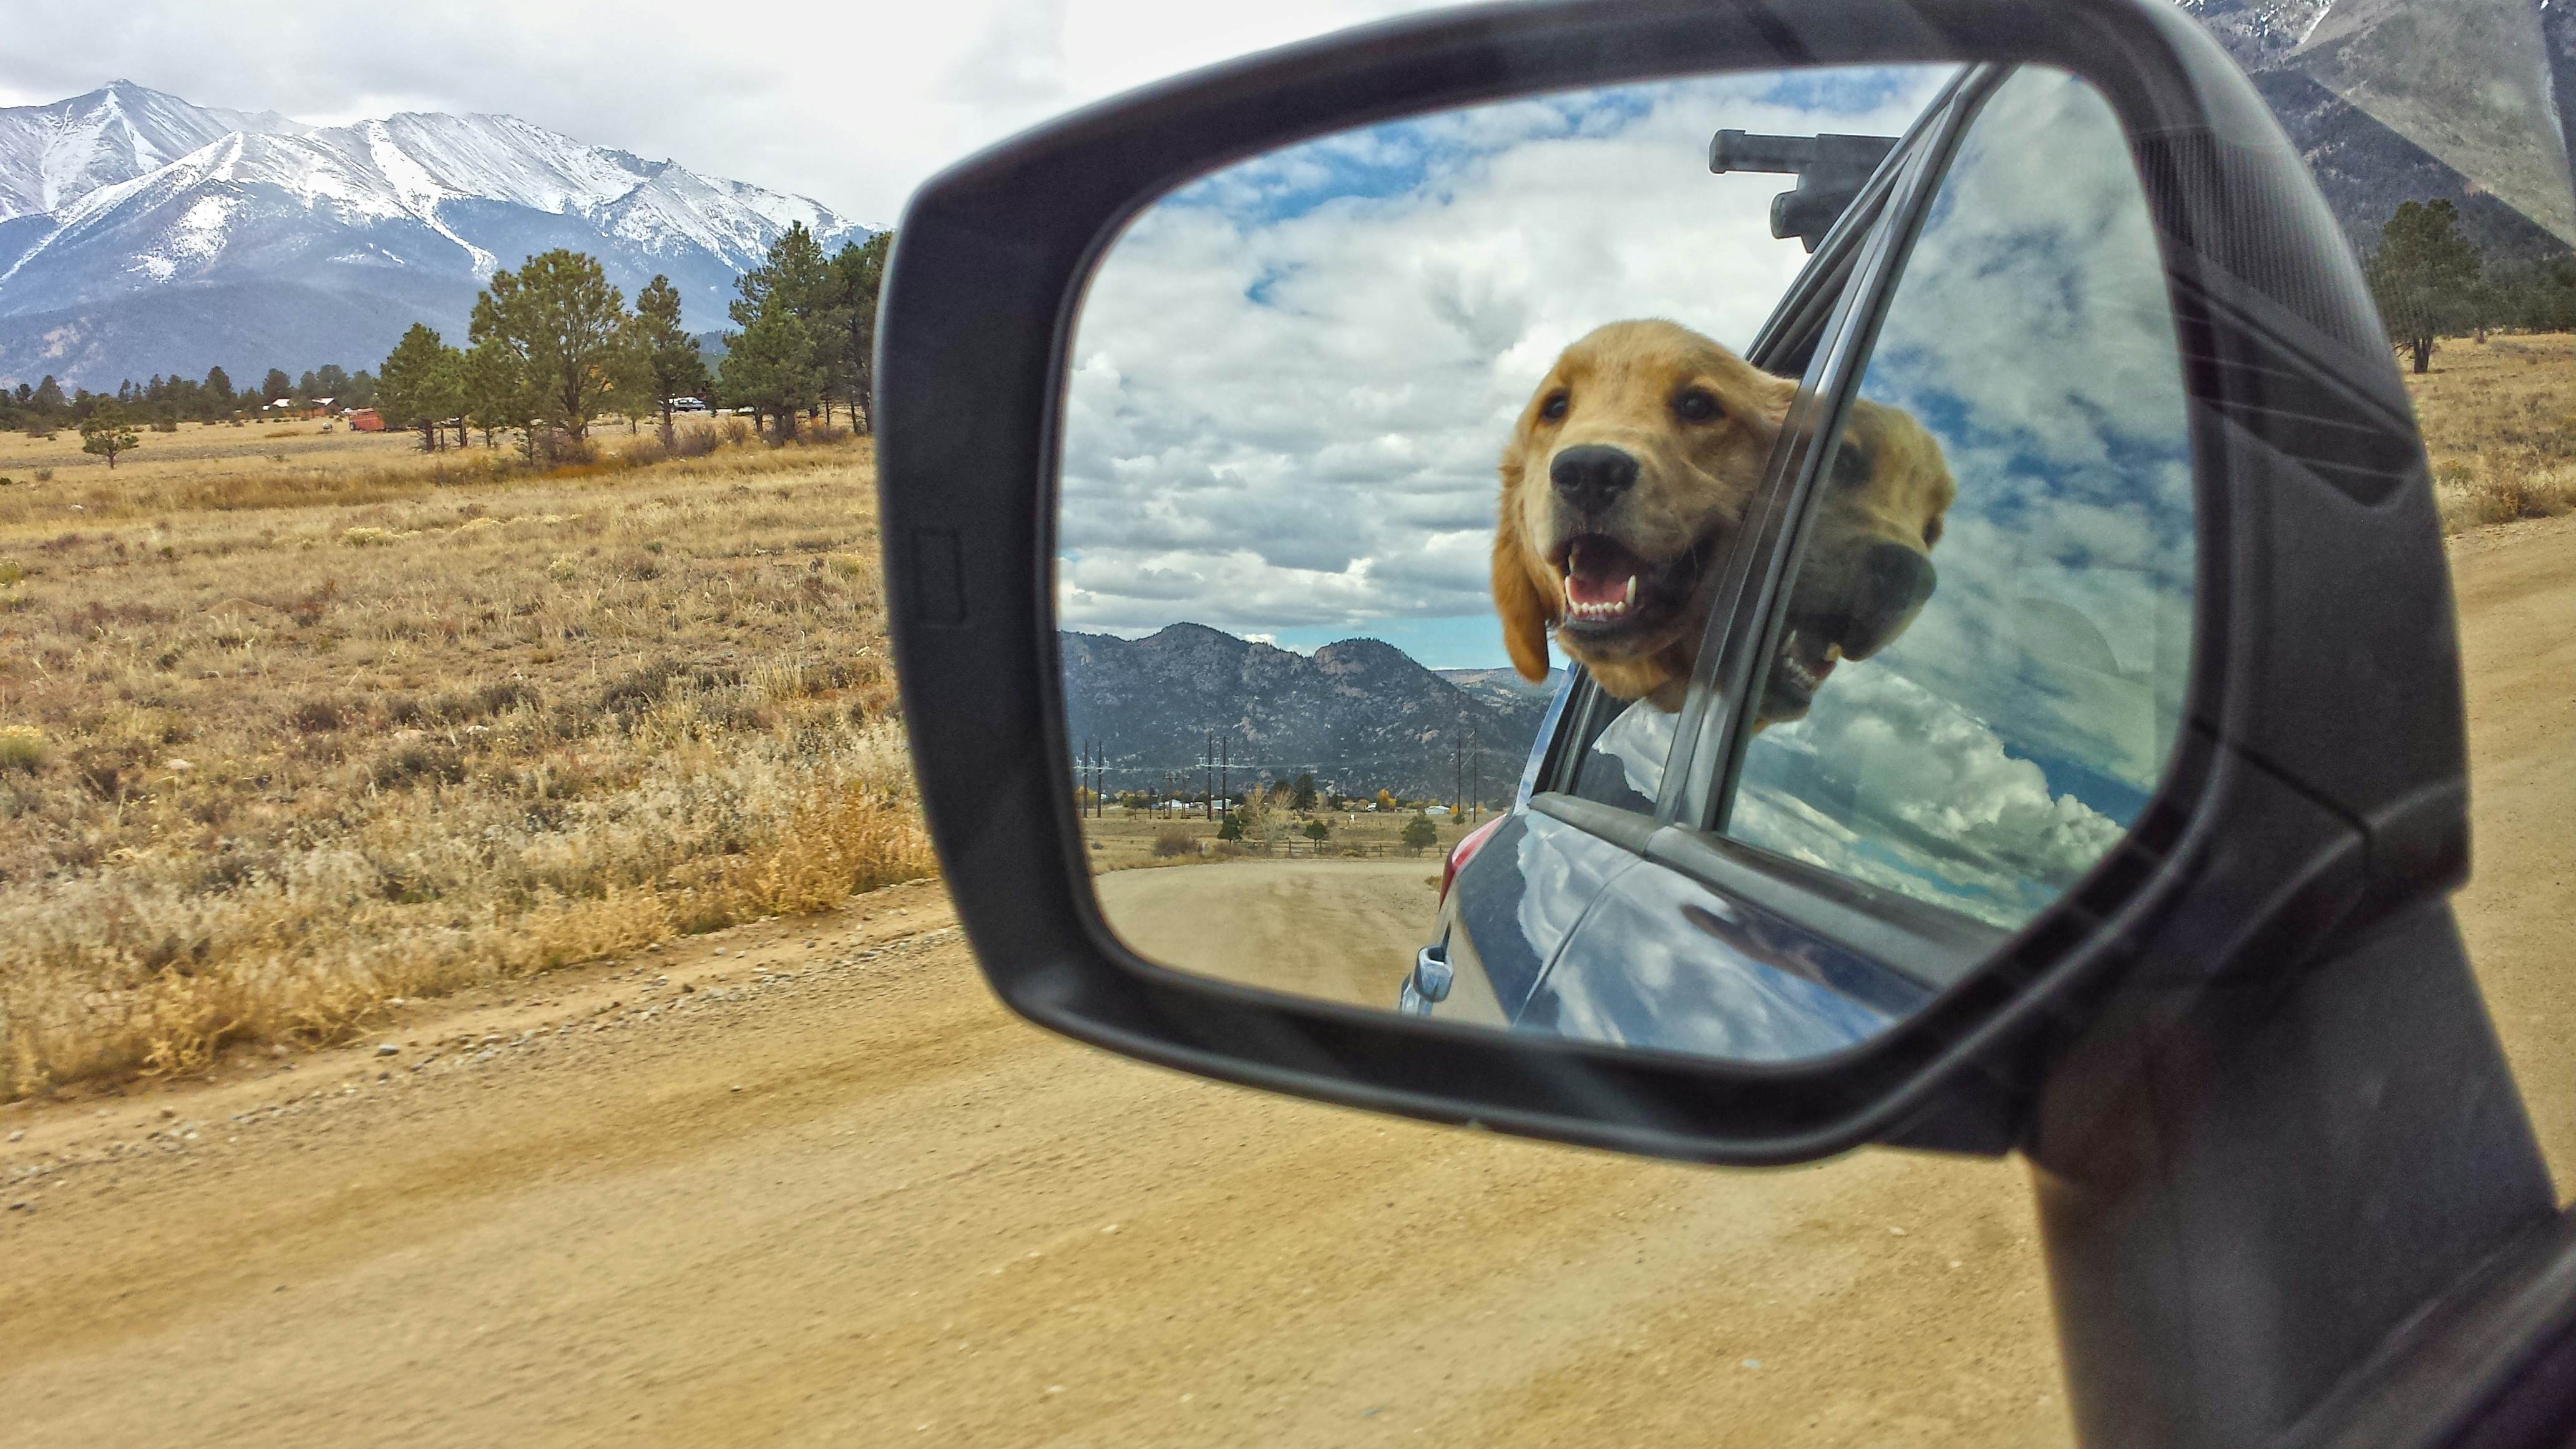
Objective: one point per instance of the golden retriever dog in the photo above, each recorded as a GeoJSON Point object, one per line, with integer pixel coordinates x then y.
{"type": "Point", "coordinates": [1624, 481]}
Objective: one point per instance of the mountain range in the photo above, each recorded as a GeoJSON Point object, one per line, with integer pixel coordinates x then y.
{"type": "Point", "coordinates": [1361, 715]}
{"type": "Point", "coordinates": [142, 234]}
{"type": "Point", "coordinates": [2404, 100]}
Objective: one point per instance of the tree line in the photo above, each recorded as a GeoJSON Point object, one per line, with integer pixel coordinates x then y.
{"type": "Point", "coordinates": [553, 345]}
{"type": "Point", "coordinates": [2430, 282]}
{"type": "Point", "coordinates": [166, 402]}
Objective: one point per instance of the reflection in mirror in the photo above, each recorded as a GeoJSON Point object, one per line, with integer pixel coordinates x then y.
{"type": "Point", "coordinates": [1307, 642]}
{"type": "Point", "coordinates": [1982, 656]}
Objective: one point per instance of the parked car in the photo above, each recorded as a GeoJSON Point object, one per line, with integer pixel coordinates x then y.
{"type": "Point", "coordinates": [688, 405]}
{"type": "Point", "coordinates": [2191, 953]}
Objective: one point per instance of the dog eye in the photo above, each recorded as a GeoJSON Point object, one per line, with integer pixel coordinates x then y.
{"type": "Point", "coordinates": [1696, 406]}
{"type": "Point", "coordinates": [1553, 410]}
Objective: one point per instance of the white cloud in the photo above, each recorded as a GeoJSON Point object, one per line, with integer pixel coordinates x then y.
{"type": "Point", "coordinates": [1293, 379]}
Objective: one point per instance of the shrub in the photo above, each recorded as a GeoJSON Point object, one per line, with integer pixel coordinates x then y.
{"type": "Point", "coordinates": [22, 749]}
{"type": "Point", "coordinates": [1172, 840]}
{"type": "Point", "coordinates": [1419, 833]}
{"type": "Point", "coordinates": [1228, 850]}
{"type": "Point", "coordinates": [317, 716]}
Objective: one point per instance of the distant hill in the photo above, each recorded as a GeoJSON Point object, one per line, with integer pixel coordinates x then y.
{"type": "Point", "coordinates": [141, 234]}
{"type": "Point", "coordinates": [2416, 100]}
{"type": "Point", "coordinates": [1360, 714]}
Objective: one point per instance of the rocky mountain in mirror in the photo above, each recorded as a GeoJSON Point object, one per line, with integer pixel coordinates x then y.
{"type": "Point", "coordinates": [1361, 715]}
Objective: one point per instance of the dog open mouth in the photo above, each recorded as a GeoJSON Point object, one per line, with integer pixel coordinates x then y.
{"type": "Point", "coordinates": [1798, 670]}
{"type": "Point", "coordinates": [1610, 589]}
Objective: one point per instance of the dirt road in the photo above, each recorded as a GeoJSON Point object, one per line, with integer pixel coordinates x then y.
{"type": "Point", "coordinates": [1342, 930]}
{"type": "Point", "coordinates": [804, 1183]}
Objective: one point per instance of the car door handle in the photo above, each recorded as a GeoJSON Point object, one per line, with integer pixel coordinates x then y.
{"type": "Point", "coordinates": [1429, 983]}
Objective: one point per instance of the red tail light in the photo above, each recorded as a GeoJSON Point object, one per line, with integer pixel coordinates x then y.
{"type": "Point", "coordinates": [1465, 851]}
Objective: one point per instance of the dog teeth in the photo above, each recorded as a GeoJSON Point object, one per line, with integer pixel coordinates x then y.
{"type": "Point", "coordinates": [1631, 601]}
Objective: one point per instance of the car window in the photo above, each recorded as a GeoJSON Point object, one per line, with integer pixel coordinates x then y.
{"type": "Point", "coordinates": [1979, 657]}
{"type": "Point", "coordinates": [1622, 750]}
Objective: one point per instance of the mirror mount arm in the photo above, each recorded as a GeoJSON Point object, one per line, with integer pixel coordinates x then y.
{"type": "Point", "coordinates": [2246, 1188]}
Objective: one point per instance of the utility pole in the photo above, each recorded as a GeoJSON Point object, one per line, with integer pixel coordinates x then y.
{"type": "Point", "coordinates": [1476, 769]}
{"type": "Point", "coordinates": [1225, 770]}
{"type": "Point", "coordinates": [1208, 760]}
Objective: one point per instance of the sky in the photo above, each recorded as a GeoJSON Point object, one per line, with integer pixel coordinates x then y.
{"type": "Point", "coordinates": [852, 103]}
{"type": "Point", "coordinates": [1291, 380]}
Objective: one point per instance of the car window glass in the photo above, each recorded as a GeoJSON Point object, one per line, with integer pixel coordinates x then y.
{"type": "Point", "coordinates": [1625, 745]}
{"type": "Point", "coordinates": [1980, 655]}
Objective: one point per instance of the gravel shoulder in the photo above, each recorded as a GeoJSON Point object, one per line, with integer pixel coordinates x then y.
{"type": "Point", "coordinates": [806, 1183]}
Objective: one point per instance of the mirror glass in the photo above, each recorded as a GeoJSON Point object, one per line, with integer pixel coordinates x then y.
{"type": "Point", "coordinates": [1367, 440]}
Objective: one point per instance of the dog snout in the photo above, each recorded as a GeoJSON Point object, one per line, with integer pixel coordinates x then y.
{"type": "Point", "coordinates": [1894, 581]}
{"type": "Point", "coordinates": [1592, 476]}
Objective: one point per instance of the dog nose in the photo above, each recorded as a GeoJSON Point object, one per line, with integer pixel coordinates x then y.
{"type": "Point", "coordinates": [1899, 579]}
{"type": "Point", "coordinates": [1591, 476]}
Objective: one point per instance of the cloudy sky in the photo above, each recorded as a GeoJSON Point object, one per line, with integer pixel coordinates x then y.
{"type": "Point", "coordinates": [852, 103]}
{"type": "Point", "coordinates": [1292, 379]}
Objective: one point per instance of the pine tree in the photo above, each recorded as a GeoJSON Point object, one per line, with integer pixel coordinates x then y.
{"type": "Point", "coordinates": [794, 280]}
{"type": "Point", "coordinates": [494, 395]}
{"type": "Point", "coordinates": [421, 384]}
{"type": "Point", "coordinates": [276, 385]}
{"type": "Point", "coordinates": [2424, 276]}
{"type": "Point", "coordinates": [858, 276]}
{"type": "Point", "coordinates": [769, 368]}
{"type": "Point", "coordinates": [671, 355]}
{"type": "Point", "coordinates": [569, 332]}
{"type": "Point", "coordinates": [106, 433]}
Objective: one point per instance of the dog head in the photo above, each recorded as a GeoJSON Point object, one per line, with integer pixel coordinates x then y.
{"type": "Point", "coordinates": [1867, 568]}
{"type": "Point", "coordinates": [1624, 479]}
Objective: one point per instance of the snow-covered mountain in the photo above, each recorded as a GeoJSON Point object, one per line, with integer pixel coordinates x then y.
{"type": "Point", "coordinates": [2404, 100]}
{"type": "Point", "coordinates": [142, 234]}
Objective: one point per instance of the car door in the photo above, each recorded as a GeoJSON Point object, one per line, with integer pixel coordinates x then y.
{"type": "Point", "coordinates": [1913, 769]}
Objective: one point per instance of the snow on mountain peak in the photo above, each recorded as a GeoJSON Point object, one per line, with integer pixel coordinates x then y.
{"type": "Point", "coordinates": [112, 198]}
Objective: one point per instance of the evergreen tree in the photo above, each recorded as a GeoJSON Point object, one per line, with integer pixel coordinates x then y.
{"type": "Point", "coordinates": [330, 380]}
{"type": "Point", "coordinates": [495, 395]}
{"type": "Point", "coordinates": [48, 399]}
{"type": "Point", "coordinates": [2424, 277]}
{"type": "Point", "coordinates": [671, 355]}
{"type": "Point", "coordinates": [106, 433]}
{"type": "Point", "coordinates": [568, 331]}
{"type": "Point", "coordinates": [421, 384]}
{"type": "Point", "coordinates": [362, 389]}
{"type": "Point", "coordinates": [858, 275]}
{"type": "Point", "coordinates": [795, 280]}
{"type": "Point", "coordinates": [276, 385]}
{"type": "Point", "coordinates": [769, 368]}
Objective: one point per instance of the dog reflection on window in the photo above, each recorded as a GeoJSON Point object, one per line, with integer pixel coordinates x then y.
{"type": "Point", "coordinates": [1625, 480]}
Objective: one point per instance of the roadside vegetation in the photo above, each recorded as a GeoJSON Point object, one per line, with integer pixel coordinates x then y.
{"type": "Point", "coordinates": [2499, 421]}
{"type": "Point", "coordinates": [286, 733]}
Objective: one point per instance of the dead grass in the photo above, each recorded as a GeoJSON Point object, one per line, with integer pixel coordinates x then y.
{"type": "Point", "coordinates": [280, 742]}
{"type": "Point", "coordinates": [2499, 421]}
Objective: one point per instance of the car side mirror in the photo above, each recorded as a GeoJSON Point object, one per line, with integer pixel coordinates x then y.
{"type": "Point", "coordinates": [2312, 775]}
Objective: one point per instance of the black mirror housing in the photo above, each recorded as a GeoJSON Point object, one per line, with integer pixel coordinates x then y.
{"type": "Point", "coordinates": [2320, 783]}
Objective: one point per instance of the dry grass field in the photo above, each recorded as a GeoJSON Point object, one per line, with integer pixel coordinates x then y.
{"type": "Point", "coordinates": [2499, 420]}
{"type": "Point", "coordinates": [295, 723]}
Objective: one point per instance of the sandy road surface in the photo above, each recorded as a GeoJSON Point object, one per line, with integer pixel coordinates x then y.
{"type": "Point", "coordinates": [1343, 930]}
{"type": "Point", "coordinates": [838, 1197]}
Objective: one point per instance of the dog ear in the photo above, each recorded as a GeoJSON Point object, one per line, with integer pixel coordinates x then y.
{"type": "Point", "coordinates": [1517, 599]}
